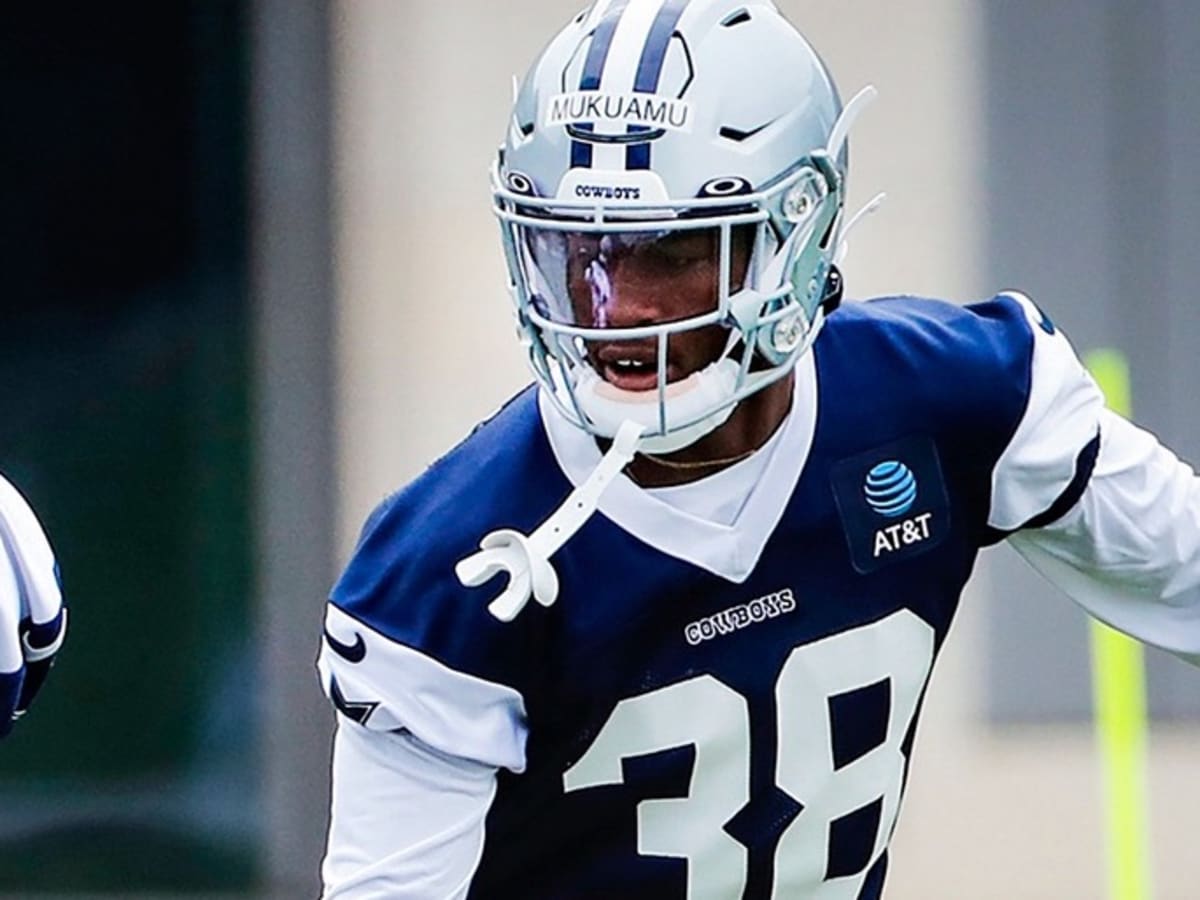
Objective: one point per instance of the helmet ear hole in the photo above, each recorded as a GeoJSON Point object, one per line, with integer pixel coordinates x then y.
{"type": "Point", "coordinates": [834, 287]}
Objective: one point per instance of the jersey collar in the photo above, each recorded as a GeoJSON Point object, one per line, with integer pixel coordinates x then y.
{"type": "Point", "coordinates": [729, 551]}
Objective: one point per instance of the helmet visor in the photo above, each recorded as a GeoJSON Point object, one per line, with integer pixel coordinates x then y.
{"type": "Point", "coordinates": [630, 279]}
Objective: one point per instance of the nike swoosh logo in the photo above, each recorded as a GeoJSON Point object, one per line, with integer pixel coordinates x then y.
{"type": "Point", "coordinates": [354, 653]}
{"type": "Point", "coordinates": [41, 642]}
{"type": "Point", "coordinates": [1045, 324]}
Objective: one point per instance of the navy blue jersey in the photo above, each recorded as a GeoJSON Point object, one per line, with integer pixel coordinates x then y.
{"type": "Point", "coordinates": [683, 734]}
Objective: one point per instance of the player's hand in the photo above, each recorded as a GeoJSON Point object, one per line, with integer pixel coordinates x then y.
{"type": "Point", "coordinates": [33, 621]}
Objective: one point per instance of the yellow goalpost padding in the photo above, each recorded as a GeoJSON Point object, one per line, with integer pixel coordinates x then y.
{"type": "Point", "coordinates": [1119, 702]}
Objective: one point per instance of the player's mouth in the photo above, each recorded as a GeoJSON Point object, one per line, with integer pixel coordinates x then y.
{"type": "Point", "coordinates": [630, 367]}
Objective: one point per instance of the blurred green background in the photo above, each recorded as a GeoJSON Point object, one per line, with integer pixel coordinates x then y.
{"type": "Point", "coordinates": [124, 366]}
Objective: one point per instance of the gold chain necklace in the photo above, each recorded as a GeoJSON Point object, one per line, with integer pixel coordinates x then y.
{"type": "Point", "coordinates": [699, 464]}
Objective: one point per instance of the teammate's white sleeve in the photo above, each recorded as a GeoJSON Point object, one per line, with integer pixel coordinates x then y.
{"type": "Point", "coordinates": [407, 822]}
{"type": "Point", "coordinates": [33, 619]}
{"type": "Point", "coordinates": [1129, 550]}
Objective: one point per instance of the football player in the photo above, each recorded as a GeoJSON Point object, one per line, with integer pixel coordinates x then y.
{"type": "Point", "coordinates": [33, 621]}
{"type": "Point", "coordinates": [662, 627]}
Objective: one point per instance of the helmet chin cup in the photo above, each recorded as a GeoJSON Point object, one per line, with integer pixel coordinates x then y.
{"type": "Point", "coordinates": [693, 407]}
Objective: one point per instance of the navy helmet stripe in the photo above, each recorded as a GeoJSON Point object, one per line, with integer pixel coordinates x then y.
{"type": "Point", "coordinates": [602, 38]}
{"type": "Point", "coordinates": [654, 54]}
{"type": "Point", "coordinates": [637, 156]}
{"type": "Point", "coordinates": [593, 70]}
{"type": "Point", "coordinates": [650, 67]}
{"type": "Point", "coordinates": [581, 152]}
{"type": "Point", "coordinates": [649, 71]}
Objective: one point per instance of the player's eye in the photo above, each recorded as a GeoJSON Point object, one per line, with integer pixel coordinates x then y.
{"type": "Point", "coordinates": [678, 252]}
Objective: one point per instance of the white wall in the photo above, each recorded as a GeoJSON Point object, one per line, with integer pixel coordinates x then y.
{"type": "Point", "coordinates": [425, 350]}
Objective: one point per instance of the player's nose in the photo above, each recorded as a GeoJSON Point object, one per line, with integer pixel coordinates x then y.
{"type": "Point", "coordinates": [636, 301]}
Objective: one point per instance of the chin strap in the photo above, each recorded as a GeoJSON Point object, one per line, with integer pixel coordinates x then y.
{"type": "Point", "coordinates": [526, 558]}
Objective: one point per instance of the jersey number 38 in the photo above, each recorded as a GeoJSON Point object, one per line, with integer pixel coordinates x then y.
{"type": "Point", "coordinates": [708, 715]}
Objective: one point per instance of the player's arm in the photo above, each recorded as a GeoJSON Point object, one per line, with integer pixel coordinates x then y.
{"type": "Point", "coordinates": [32, 618]}
{"type": "Point", "coordinates": [1129, 549]}
{"type": "Point", "coordinates": [406, 821]}
{"type": "Point", "coordinates": [418, 746]}
{"type": "Point", "coordinates": [1099, 506]}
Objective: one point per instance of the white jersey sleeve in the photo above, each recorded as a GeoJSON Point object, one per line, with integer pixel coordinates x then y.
{"type": "Point", "coordinates": [1099, 506]}
{"type": "Point", "coordinates": [1129, 550]}
{"type": "Point", "coordinates": [1061, 419]}
{"type": "Point", "coordinates": [407, 822]}
{"type": "Point", "coordinates": [386, 685]}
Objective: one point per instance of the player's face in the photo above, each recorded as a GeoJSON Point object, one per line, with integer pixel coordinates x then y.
{"type": "Point", "coordinates": [629, 280]}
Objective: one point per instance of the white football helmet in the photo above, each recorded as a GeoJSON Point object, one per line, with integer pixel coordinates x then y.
{"type": "Point", "coordinates": [644, 120]}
